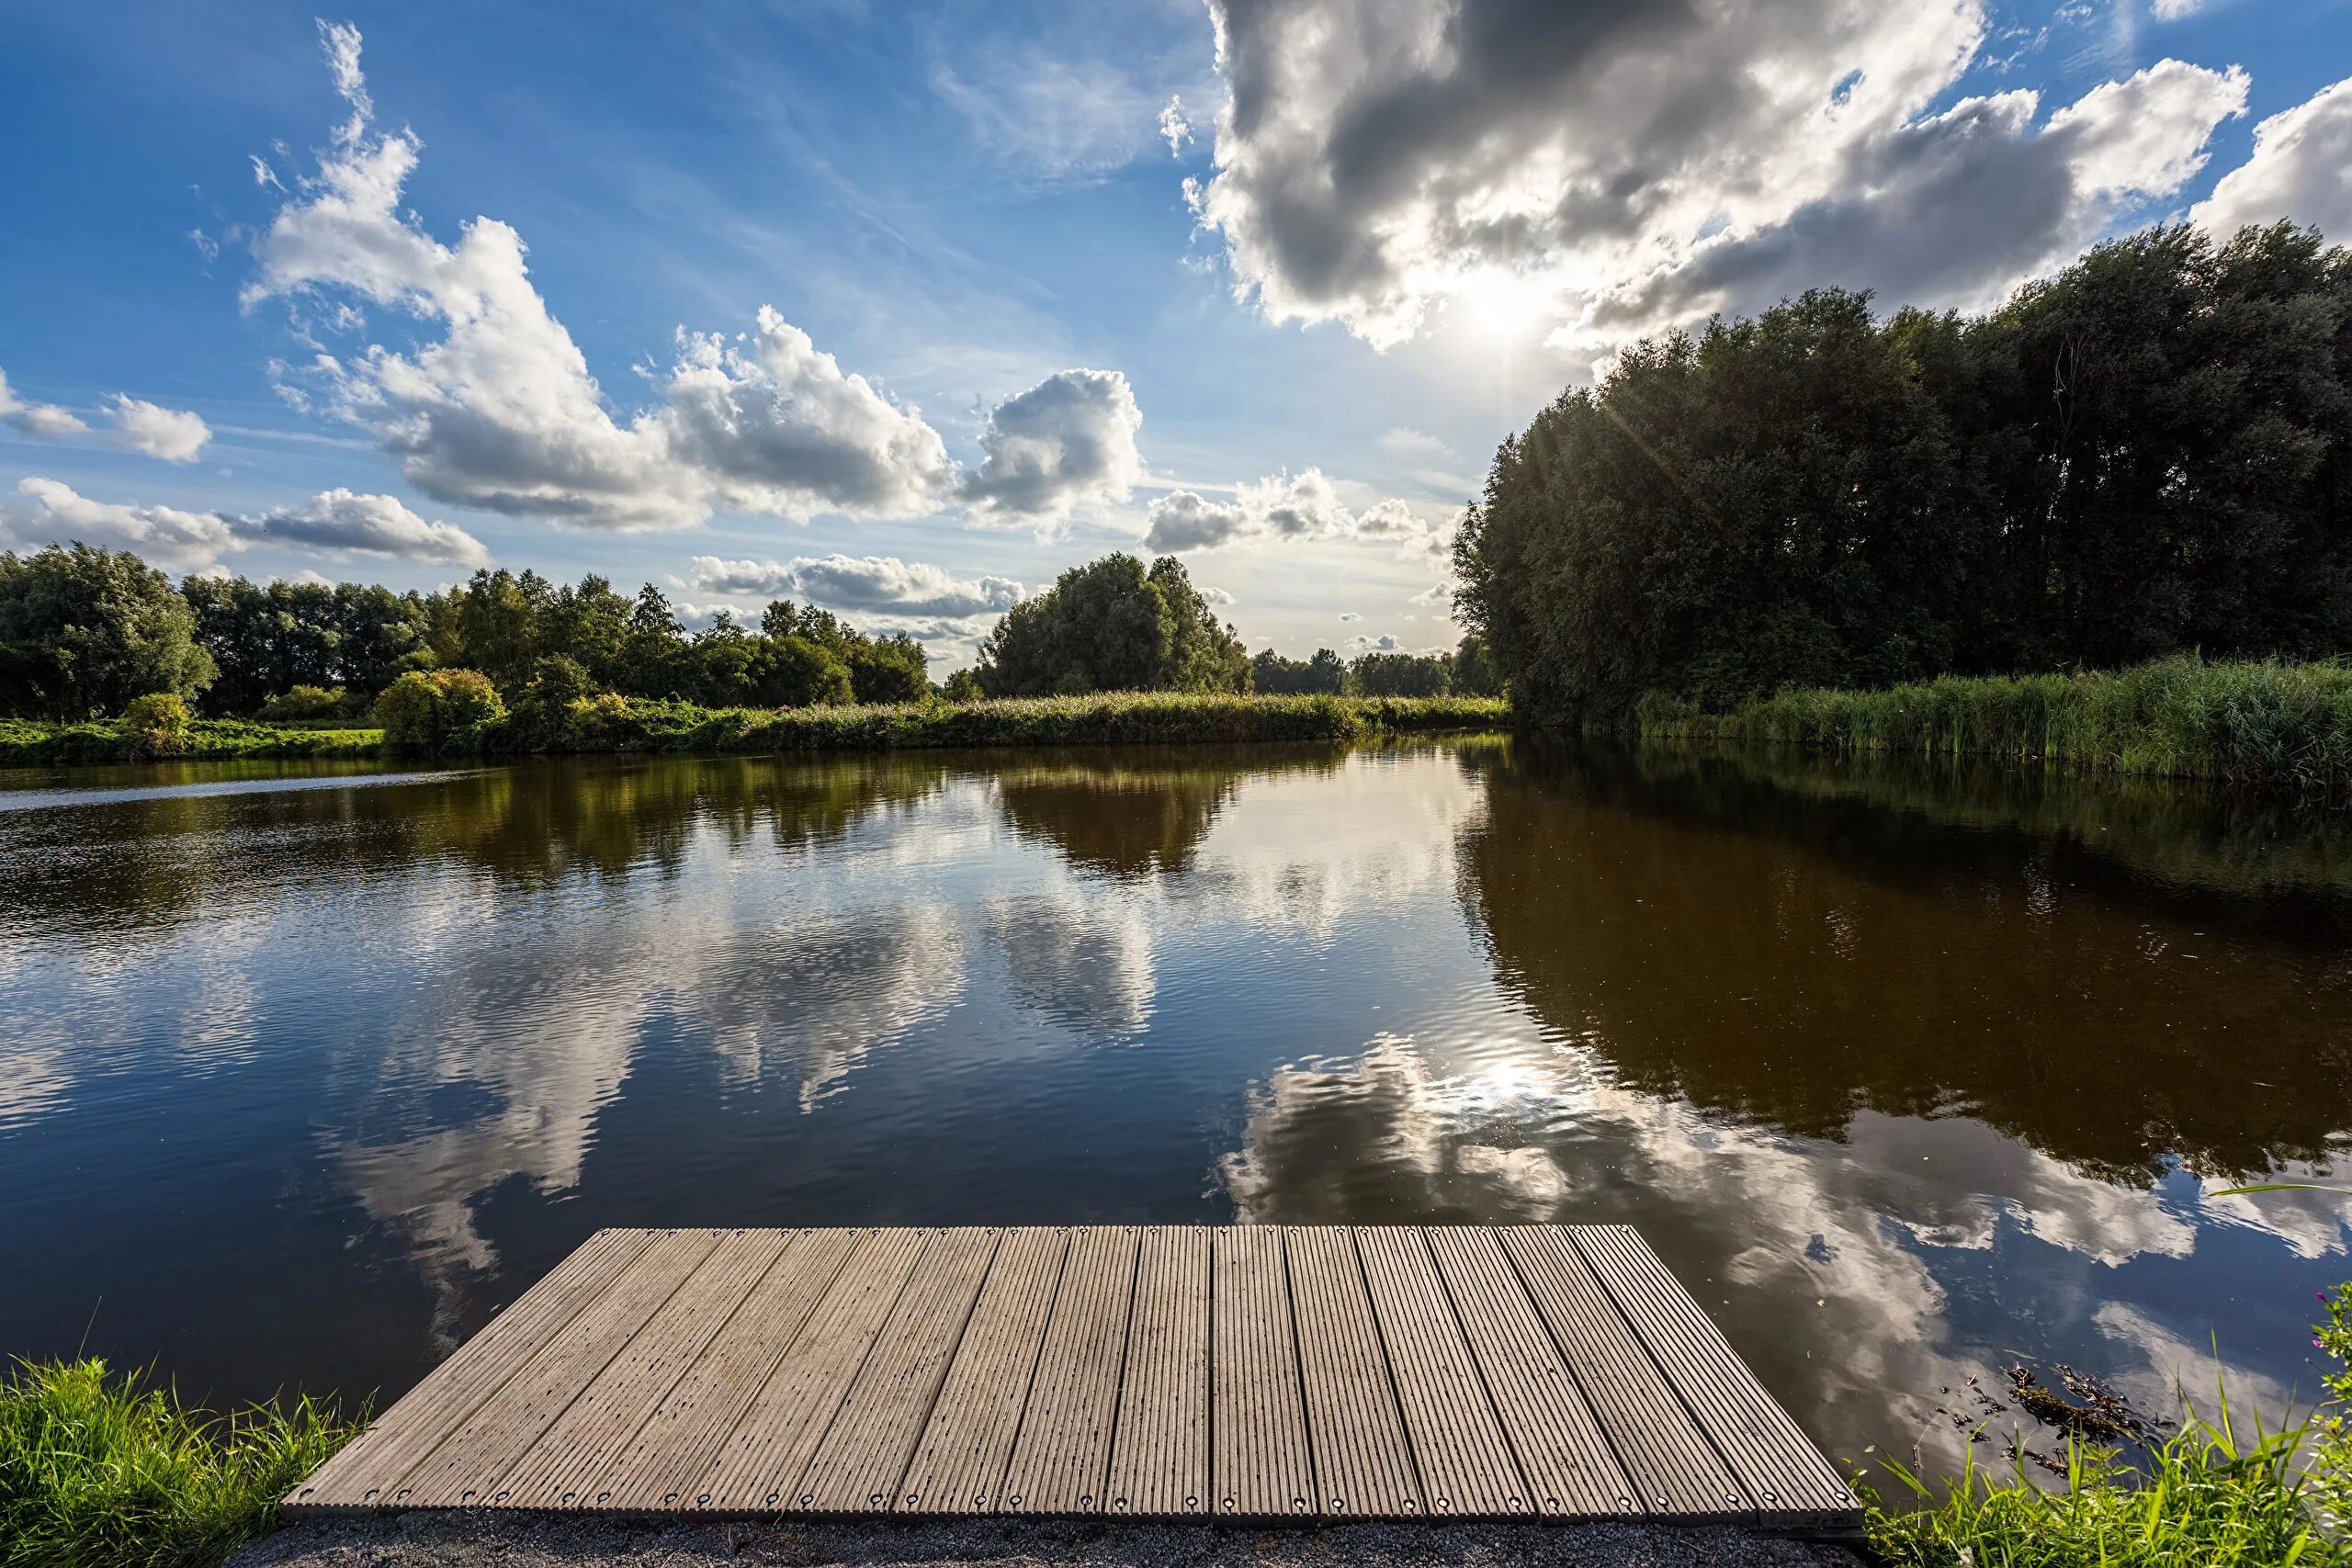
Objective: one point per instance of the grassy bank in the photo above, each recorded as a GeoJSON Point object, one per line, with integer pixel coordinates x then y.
{"type": "Point", "coordinates": [621, 723]}
{"type": "Point", "coordinates": [99, 1470]}
{"type": "Point", "coordinates": [609, 724]}
{"type": "Point", "coordinates": [29, 743]}
{"type": "Point", "coordinates": [2271, 725]}
{"type": "Point", "coordinates": [2209, 1496]}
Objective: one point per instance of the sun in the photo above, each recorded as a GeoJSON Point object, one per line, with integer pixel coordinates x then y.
{"type": "Point", "coordinates": [1499, 306]}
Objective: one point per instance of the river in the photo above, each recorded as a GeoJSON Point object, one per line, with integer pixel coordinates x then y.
{"type": "Point", "coordinates": [1906, 1070]}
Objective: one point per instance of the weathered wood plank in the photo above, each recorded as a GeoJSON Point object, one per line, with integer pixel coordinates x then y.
{"type": "Point", "coordinates": [1780, 1469]}
{"type": "Point", "coordinates": [1260, 1465]}
{"type": "Point", "coordinates": [1363, 1464]}
{"type": "Point", "coordinates": [464, 1471]}
{"type": "Point", "coordinates": [581, 1448]}
{"type": "Point", "coordinates": [1159, 1454]}
{"type": "Point", "coordinates": [368, 1471]}
{"type": "Point", "coordinates": [1465, 1463]}
{"type": "Point", "coordinates": [1063, 1455]}
{"type": "Point", "coordinates": [858, 1465]}
{"type": "Point", "coordinates": [1250, 1373]}
{"type": "Point", "coordinates": [960, 1459]}
{"type": "Point", "coordinates": [1664, 1455]}
{"type": "Point", "coordinates": [1552, 1431]}
{"type": "Point", "coordinates": [670, 1461]}
{"type": "Point", "coordinates": [760, 1466]}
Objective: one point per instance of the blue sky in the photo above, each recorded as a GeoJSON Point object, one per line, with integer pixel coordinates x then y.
{"type": "Point", "coordinates": [1011, 321]}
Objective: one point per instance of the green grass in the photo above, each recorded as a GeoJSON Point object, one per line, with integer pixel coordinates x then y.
{"type": "Point", "coordinates": [99, 1470]}
{"type": "Point", "coordinates": [2266, 724]}
{"type": "Point", "coordinates": [2207, 1498]}
{"type": "Point", "coordinates": [620, 724]}
{"type": "Point", "coordinates": [31, 743]}
{"type": "Point", "coordinates": [632, 724]}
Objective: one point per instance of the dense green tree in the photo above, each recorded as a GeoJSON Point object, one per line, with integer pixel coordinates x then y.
{"type": "Point", "coordinates": [893, 669]}
{"type": "Point", "coordinates": [798, 672]}
{"type": "Point", "coordinates": [1475, 675]}
{"type": "Point", "coordinates": [2149, 451]}
{"type": "Point", "coordinates": [1402, 674]}
{"type": "Point", "coordinates": [1112, 625]}
{"type": "Point", "coordinates": [1270, 672]}
{"type": "Point", "coordinates": [498, 622]}
{"type": "Point", "coordinates": [268, 638]}
{"type": "Point", "coordinates": [83, 631]}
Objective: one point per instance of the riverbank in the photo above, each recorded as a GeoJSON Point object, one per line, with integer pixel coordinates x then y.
{"type": "Point", "coordinates": [614, 724]}
{"type": "Point", "coordinates": [2267, 725]}
{"type": "Point", "coordinates": [30, 743]}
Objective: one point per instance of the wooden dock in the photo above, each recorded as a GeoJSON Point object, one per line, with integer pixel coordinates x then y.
{"type": "Point", "coordinates": [1296, 1373]}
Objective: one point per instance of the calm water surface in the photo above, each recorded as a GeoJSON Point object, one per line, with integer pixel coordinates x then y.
{"type": "Point", "coordinates": [1906, 1071]}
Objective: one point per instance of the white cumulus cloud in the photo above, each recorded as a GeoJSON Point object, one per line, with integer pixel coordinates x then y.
{"type": "Point", "coordinates": [2301, 169]}
{"type": "Point", "coordinates": [1614, 169]}
{"type": "Point", "coordinates": [876, 584]}
{"type": "Point", "coordinates": [183, 541]}
{"type": "Point", "coordinates": [1068, 439]}
{"type": "Point", "coordinates": [174, 434]}
{"type": "Point", "coordinates": [165, 537]}
{"type": "Point", "coordinates": [500, 409]}
{"type": "Point", "coordinates": [372, 524]}
{"type": "Point", "coordinates": [1304, 505]}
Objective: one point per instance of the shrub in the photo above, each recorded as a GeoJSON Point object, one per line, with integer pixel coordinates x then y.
{"type": "Point", "coordinates": [100, 1471]}
{"type": "Point", "coordinates": [305, 703]}
{"type": "Point", "coordinates": [438, 710]}
{"type": "Point", "coordinates": [156, 724]}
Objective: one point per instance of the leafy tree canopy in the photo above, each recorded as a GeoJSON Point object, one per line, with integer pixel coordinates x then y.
{"type": "Point", "coordinates": [2149, 452]}
{"type": "Point", "coordinates": [1112, 625]}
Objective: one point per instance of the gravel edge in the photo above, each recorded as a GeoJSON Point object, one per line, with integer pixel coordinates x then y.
{"type": "Point", "coordinates": [467, 1540]}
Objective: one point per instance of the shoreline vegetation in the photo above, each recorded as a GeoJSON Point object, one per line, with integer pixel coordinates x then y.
{"type": "Point", "coordinates": [481, 726]}
{"type": "Point", "coordinates": [103, 1470]}
{"type": "Point", "coordinates": [2262, 725]}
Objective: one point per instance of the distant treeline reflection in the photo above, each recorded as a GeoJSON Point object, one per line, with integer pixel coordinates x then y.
{"type": "Point", "coordinates": [2120, 976]}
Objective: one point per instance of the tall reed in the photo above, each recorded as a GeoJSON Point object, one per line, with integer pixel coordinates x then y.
{"type": "Point", "coordinates": [2267, 723]}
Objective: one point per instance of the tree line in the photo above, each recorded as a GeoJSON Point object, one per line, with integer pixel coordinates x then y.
{"type": "Point", "coordinates": [2149, 452]}
{"type": "Point", "coordinates": [1116, 624]}
{"type": "Point", "coordinates": [86, 631]}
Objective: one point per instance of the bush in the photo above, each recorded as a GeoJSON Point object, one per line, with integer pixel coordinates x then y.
{"type": "Point", "coordinates": [99, 1471]}
{"type": "Point", "coordinates": [156, 724]}
{"type": "Point", "coordinates": [303, 703]}
{"type": "Point", "coordinates": [432, 711]}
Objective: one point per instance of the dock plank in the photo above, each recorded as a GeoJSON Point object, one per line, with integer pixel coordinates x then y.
{"type": "Point", "coordinates": [1467, 1464]}
{"type": "Point", "coordinates": [582, 1445]}
{"type": "Point", "coordinates": [858, 1464]}
{"type": "Point", "coordinates": [668, 1462]}
{"type": "Point", "coordinates": [1062, 1458]}
{"type": "Point", "coordinates": [1363, 1462]}
{"type": "Point", "coordinates": [1260, 1463]}
{"type": "Point", "coordinates": [1279, 1374]}
{"type": "Point", "coordinates": [961, 1457]}
{"type": "Point", "coordinates": [1552, 1431]}
{"type": "Point", "coordinates": [1780, 1469]}
{"type": "Point", "coordinates": [760, 1465]}
{"type": "Point", "coordinates": [464, 1470]}
{"type": "Point", "coordinates": [1675, 1470]}
{"type": "Point", "coordinates": [1160, 1455]}
{"type": "Point", "coordinates": [367, 1473]}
